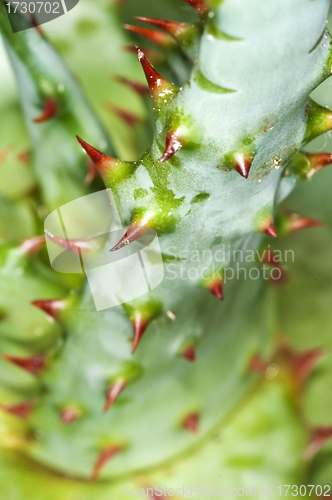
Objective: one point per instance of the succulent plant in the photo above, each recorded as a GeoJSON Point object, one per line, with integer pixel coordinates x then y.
{"type": "Point", "coordinates": [191, 384]}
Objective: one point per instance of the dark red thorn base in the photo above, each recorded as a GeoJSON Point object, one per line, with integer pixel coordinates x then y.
{"type": "Point", "coordinates": [243, 165]}
{"type": "Point", "coordinates": [189, 353]}
{"type": "Point", "coordinates": [52, 307]}
{"type": "Point", "coordinates": [139, 88]}
{"type": "Point", "coordinates": [129, 118]}
{"type": "Point", "coordinates": [257, 364]}
{"type": "Point", "coordinates": [140, 324]}
{"type": "Point", "coordinates": [50, 111]}
{"type": "Point", "coordinates": [92, 173]}
{"type": "Point", "coordinates": [32, 245]}
{"type": "Point", "coordinates": [104, 457]}
{"type": "Point", "coordinates": [21, 410]}
{"type": "Point", "coordinates": [173, 145]}
{"type": "Point", "coordinates": [33, 365]}
{"type": "Point", "coordinates": [113, 393]}
{"type": "Point", "coordinates": [320, 436]}
{"type": "Point", "coordinates": [200, 7]}
{"type": "Point", "coordinates": [270, 230]}
{"type": "Point", "coordinates": [133, 233]}
{"type": "Point", "coordinates": [172, 27]}
{"type": "Point", "coordinates": [216, 288]}
{"type": "Point", "coordinates": [160, 39]}
{"type": "Point", "coordinates": [69, 415]}
{"type": "Point", "coordinates": [191, 423]}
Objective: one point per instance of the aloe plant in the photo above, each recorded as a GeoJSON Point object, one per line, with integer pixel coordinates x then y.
{"type": "Point", "coordinates": [206, 393]}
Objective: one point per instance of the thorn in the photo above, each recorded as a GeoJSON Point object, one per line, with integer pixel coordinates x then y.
{"type": "Point", "coordinates": [35, 25]}
{"type": "Point", "coordinates": [133, 233]}
{"type": "Point", "coordinates": [159, 87]}
{"type": "Point", "coordinates": [160, 39]}
{"type": "Point", "coordinates": [69, 415]}
{"type": "Point", "coordinates": [24, 156]}
{"type": "Point", "coordinates": [129, 118]}
{"type": "Point", "coordinates": [216, 288]}
{"type": "Point", "coordinates": [4, 154]}
{"type": "Point", "coordinates": [20, 410]}
{"type": "Point", "coordinates": [299, 364]}
{"type": "Point", "coordinates": [297, 223]}
{"type": "Point", "coordinates": [318, 161]}
{"type": "Point", "coordinates": [191, 423]}
{"type": "Point", "coordinates": [92, 173]}
{"type": "Point", "coordinates": [51, 307]}
{"type": "Point", "coordinates": [270, 230]}
{"type": "Point", "coordinates": [174, 28]}
{"type": "Point", "coordinates": [243, 164]}
{"type": "Point", "coordinates": [139, 88]}
{"type": "Point", "coordinates": [173, 145]}
{"type": "Point", "coordinates": [50, 111]}
{"type": "Point", "coordinates": [32, 245]}
{"type": "Point", "coordinates": [140, 324]}
{"type": "Point", "coordinates": [71, 245]}
{"type": "Point", "coordinates": [114, 392]}
{"type": "Point", "coordinates": [151, 54]}
{"type": "Point", "coordinates": [200, 7]}
{"type": "Point", "coordinates": [270, 258]}
{"type": "Point", "coordinates": [319, 437]}
{"type": "Point", "coordinates": [257, 364]}
{"type": "Point", "coordinates": [189, 353]}
{"type": "Point", "coordinates": [33, 365]}
{"type": "Point", "coordinates": [104, 457]}
{"type": "Point", "coordinates": [103, 162]}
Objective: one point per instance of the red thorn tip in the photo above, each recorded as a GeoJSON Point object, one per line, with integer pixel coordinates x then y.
{"type": "Point", "coordinates": [133, 233]}
{"type": "Point", "coordinates": [172, 27]}
{"type": "Point", "coordinates": [270, 230]}
{"type": "Point", "coordinates": [158, 86]}
{"type": "Point", "coordinates": [137, 87]}
{"type": "Point", "coordinates": [151, 54]}
{"type": "Point", "coordinates": [129, 118]}
{"type": "Point", "coordinates": [243, 165]}
{"type": "Point", "coordinates": [200, 6]}
{"type": "Point", "coordinates": [104, 457]}
{"type": "Point", "coordinates": [102, 161]}
{"type": "Point", "coordinates": [33, 365]}
{"type": "Point", "coordinates": [191, 423]}
{"type": "Point", "coordinates": [320, 436]}
{"type": "Point", "coordinates": [297, 223]}
{"type": "Point", "coordinates": [140, 324]}
{"type": "Point", "coordinates": [113, 393]}
{"type": "Point", "coordinates": [173, 145]}
{"type": "Point", "coordinates": [51, 307]}
{"type": "Point", "coordinates": [189, 353]}
{"type": "Point", "coordinates": [216, 288]}
{"type": "Point", "coordinates": [69, 415]}
{"type": "Point", "coordinates": [32, 245]}
{"type": "Point", "coordinates": [160, 39]}
{"type": "Point", "coordinates": [71, 245]}
{"type": "Point", "coordinates": [257, 364]}
{"type": "Point", "coordinates": [50, 111]}
{"type": "Point", "coordinates": [21, 410]}
{"type": "Point", "coordinates": [92, 173]}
